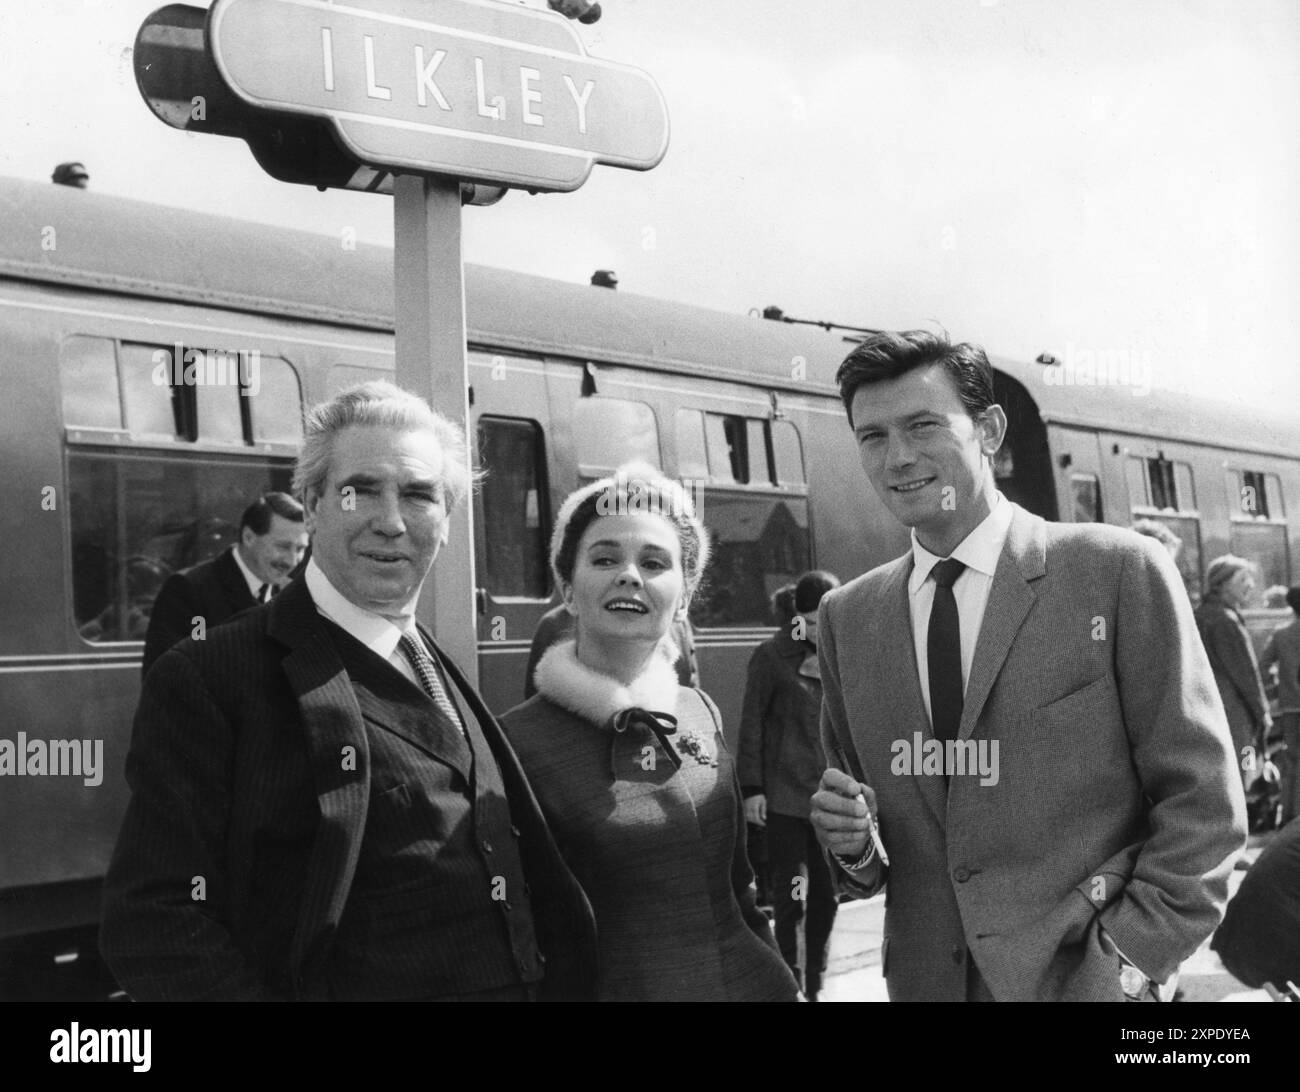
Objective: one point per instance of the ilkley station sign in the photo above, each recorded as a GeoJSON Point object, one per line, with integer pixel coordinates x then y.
{"type": "Point", "coordinates": [483, 90]}
{"type": "Point", "coordinates": [436, 102]}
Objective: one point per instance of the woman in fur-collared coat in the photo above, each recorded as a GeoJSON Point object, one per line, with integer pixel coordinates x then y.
{"type": "Point", "coordinates": [629, 766]}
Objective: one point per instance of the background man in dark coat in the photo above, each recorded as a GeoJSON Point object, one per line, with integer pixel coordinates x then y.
{"type": "Point", "coordinates": [322, 807]}
{"type": "Point", "coordinates": [271, 542]}
{"type": "Point", "coordinates": [781, 761]}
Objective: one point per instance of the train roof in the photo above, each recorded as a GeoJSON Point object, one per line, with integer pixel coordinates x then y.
{"type": "Point", "coordinates": [118, 245]}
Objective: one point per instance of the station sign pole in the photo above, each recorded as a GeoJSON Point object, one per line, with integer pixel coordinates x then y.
{"type": "Point", "coordinates": [429, 294]}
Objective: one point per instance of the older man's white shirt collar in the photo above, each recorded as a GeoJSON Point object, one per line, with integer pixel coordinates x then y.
{"type": "Point", "coordinates": [377, 633]}
{"type": "Point", "coordinates": [979, 550]}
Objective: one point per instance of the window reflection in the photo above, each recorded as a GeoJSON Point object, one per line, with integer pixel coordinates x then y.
{"type": "Point", "coordinates": [137, 519]}
{"type": "Point", "coordinates": [759, 544]}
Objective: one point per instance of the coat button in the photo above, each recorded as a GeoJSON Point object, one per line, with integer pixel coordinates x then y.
{"type": "Point", "coordinates": [961, 875]}
{"type": "Point", "coordinates": [958, 954]}
{"type": "Point", "coordinates": [487, 846]}
{"type": "Point", "coordinates": [514, 830]}
{"type": "Point", "coordinates": [507, 907]}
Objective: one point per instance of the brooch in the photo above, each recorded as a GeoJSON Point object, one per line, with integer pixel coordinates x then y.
{"type": "Point", "coordinates": [692, 745]}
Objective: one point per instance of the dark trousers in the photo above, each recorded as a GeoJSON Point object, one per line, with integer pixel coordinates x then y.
{"type": "Point", "coordinates": [801, 891]}
{"type": "Point", "coordinates": [1289, 765]}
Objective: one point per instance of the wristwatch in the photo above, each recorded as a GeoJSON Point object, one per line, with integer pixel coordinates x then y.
{"type": "Point", "coordinates": [1131, 980]}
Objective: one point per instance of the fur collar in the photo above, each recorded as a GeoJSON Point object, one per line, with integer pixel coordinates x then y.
{"type": "Point", "coordinates": [565, 680]}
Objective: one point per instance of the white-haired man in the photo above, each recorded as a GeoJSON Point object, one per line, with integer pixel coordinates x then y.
{"type": "Point", "coordinates": [322, 807]}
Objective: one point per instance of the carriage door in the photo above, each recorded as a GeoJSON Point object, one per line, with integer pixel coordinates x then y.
{"type": "Point", "coordinates": [1080, 488]}
{"type": "Point", "coordinates": [512, 521]}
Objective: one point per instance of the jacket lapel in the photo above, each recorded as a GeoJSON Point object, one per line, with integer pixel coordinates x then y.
{"type": "Point", "coordinates": [389, 700]}
{"type": "Point", "coordinates": [232, 581]}
{"type": "Point", "coordinates": [1010, 600]}
{"type": "Point", "coordinates": [331, 721]}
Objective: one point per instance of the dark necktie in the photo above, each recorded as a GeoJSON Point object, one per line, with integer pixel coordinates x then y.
{"type": "Point", "coordinates": [420, 659]}
{"type": "Point", "coordinates": [263, 593]}
{"type": "Point", "coordinates": [943, 652]}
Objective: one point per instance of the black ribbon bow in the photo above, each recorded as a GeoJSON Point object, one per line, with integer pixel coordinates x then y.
{"type": "Point", "coordinates": [662, 725]}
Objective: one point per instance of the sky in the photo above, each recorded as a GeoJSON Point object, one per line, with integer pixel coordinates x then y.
{"type": "Point", "coordinates": [1064, 176]}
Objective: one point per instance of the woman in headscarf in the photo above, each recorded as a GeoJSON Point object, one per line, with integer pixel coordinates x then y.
{"type": "Point", "coordinates": [629, 766]}
{"type": "Point", "coordinates": [1229, 583]}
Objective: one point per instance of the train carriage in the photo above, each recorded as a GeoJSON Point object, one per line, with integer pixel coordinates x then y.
{"type": "Point", "coordinates": [122, 467]}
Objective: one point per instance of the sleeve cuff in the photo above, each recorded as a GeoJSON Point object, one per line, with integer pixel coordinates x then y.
{"type": "Point", "coordinates": [868, 855]}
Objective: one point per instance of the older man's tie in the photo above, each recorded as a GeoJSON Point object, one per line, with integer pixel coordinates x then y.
{"type": "Point", "coordinates": [414, 650]}
{"type": "Point", "coordinates": [943, 652]}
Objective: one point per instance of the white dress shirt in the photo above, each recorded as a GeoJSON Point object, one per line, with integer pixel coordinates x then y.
{"type": "Point", "coordinates": [378, 633]}
{"type": "Point", "coordinates": [979, 552]}
{"type": "Point", "coordinates": [255, 582]}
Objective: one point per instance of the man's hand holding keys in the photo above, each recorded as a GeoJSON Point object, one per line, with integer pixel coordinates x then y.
{"type": "Point", "coordinates": [840, 814]}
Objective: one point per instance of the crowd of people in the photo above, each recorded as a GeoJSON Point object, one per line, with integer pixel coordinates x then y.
{"type": "Point", "coordinates": [1022, 729]}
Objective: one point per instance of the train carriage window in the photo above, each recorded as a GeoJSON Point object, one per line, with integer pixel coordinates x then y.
{"type": "Point", "coordinates": [276, 405]}
{"type": "Point", "coordinates": [1136, 475]}
{"type": "Point", "coordinates": [88, 374]}
{"type": "Point", "coordinates": [692, 454]}
{"type": "Point", "coordinates": [1160, 481]}
{"type": "Point", "coordinates": [1086, 491]}
{"type": "Point", "coordinates": [1265, 545]}
{"type": "Point", "coordinates": [1184, 489]}
{"type": "Point", "coordinates": [1254, 495]}
{"type": "Point", "coordinates": [760, 464]}
{"type": "Point", "coordinates": [760, 542]}
{"type": "Point", "coordinates": [787, 454]}
{"type": "Point", "coordinates": [136, 519]}
{"type": "Point", "coordinates": [608, 432]}
{"type": "Point", "coordinates": [1188, 560]}
{"type": "Point", "coordinates": [1257, 529]}
{"type": "Point", "coordinates": [728, 465]}
{"type": "Point", "coordinates": [218, 406]}
{"type": "Point", "coordinates": [152, 409]}
{"type": "Point", "coordinates": [1164, 490]}
{"type": "Point", "coordinates": [516, 526]}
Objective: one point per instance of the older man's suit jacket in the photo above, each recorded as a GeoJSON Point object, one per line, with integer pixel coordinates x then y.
{"type": "Point", "coordinates": [251, 770]}
{"type": "Point", "coordinates": [213, 590]}
{"type": "Point", "coordinates": [1117, 802]}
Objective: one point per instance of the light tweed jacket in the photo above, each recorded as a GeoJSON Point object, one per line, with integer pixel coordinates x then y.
{"type": "Point", "coordinates": [1117, 801]}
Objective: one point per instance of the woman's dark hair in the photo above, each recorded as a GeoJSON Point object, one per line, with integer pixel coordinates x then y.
{"type": "Point", "coordinates": [888, 355]}
{"type": "Point", "coordinates": [783, 605]}
{"type": "Point", "coordinates": [811, 587]}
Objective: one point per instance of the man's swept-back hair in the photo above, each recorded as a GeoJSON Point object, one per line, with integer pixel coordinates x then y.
{"type": "Point", "coordinates": [257, 516]}
{"type": "Point", "coordinates": [383, 405]}
{"type": "Point", "coordinates": [887, 355]}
